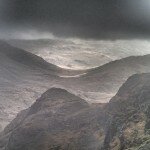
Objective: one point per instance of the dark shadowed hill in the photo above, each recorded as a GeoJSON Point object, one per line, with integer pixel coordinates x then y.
{"type": "Point", "coordinates": [62, 121]}
{"type": "Point", "coordinates": [57, 120]}
{"type": "Point", "coordinates": [129, 123]}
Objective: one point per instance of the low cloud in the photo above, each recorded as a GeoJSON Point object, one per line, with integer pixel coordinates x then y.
{"type": "Point", "coordinates": [83, 18]}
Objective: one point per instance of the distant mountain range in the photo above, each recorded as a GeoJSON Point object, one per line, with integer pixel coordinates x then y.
{"type": "Point", "coordinates": [60, 120]}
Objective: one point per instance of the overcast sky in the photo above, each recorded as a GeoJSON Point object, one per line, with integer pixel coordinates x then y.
{"type": "Point", "coordinates": [83, 18]}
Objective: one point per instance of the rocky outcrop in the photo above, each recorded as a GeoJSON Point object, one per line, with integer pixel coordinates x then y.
{"type": "Point", "coordinates": [129, 113]}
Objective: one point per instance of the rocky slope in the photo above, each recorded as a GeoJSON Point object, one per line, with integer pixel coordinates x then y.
{"type": "Point", "coordinates": [129, 112]}
{"type": "Point", "coordinates": [57, 120]}
{"type": "Point", "coordinates": [62, 121]}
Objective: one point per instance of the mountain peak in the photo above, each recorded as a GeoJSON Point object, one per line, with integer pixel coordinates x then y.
{"type": "Point", "coordinates": [56, 98]}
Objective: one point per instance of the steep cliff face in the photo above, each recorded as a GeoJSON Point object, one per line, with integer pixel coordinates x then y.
{"type": "Point", "coordinates": [57, 120]}
{"type": "Point", "coordinates": [129, 112]}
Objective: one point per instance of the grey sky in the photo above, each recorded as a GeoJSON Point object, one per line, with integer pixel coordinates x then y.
{"type": "Point", "coordinates": [84, 18]}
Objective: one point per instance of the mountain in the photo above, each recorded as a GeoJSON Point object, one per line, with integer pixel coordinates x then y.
{"type": "Point", "coordinates": [105, 81]}
{"type": "Point", "coordinates": [57, 120]}
{"type": "Point", "coordinates": [60, 120]}
{"type": "Point", "coordinates": [129, 123]}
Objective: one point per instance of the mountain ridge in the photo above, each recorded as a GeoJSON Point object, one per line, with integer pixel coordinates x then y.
{"type": "Point", "coordinates": [32, 60]}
